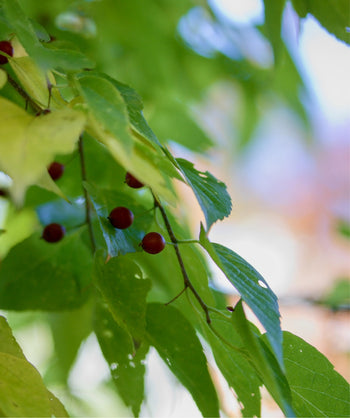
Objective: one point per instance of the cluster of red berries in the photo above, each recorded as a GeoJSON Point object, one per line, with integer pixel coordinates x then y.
{"type": "Point", "coordinates": [120, 217]}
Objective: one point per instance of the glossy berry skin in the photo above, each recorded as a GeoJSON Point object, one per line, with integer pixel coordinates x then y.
{"type": "Point", "coordinates": [53, 232]}
{"type": "Point", "coordinates": [121, 217]}
{"type": "Point", "coordinates": [153, 243]}
{"type": "Point", "coordinates": [5, 46]}
{"type": "Point", "coordinates": [55, 170]}
{"type": "Point", "coordinates": [131, 181]}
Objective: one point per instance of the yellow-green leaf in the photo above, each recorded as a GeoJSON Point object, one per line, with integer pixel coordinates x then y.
{"type": "Point", "coordinates": [32, 78]}
{"type": "Point", "coordinates": [23, 393]}
{"type": "Point", "coordinates": [28, 143]}
{"type": "Point", "coordinates": [142, 160]}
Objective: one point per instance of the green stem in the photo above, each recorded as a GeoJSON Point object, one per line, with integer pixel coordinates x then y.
{"type": "Point", "coordinates": [177, 296]}
{"type": "Point", "coordinates": [187, 241]}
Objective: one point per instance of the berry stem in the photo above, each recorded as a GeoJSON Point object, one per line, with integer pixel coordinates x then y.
{"type": "Point", "coordinates": [187, 282]}
{"type": "Point", "coordinates": [23, 93]}
{"type": "Point", "coordinates": [88, 208]}
{"type": "Point", "coordinates": [175, 297]}
{"type": "Point", "coordinates": [186, 241]}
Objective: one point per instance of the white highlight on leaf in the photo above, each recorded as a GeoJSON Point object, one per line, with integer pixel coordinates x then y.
{"type": "Point", "coordinates": [262, 284]}
{"type": "Point", "coordinates": [113, 366]}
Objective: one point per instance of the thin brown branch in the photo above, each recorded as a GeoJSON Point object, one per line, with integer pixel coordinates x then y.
{"type": "Point", "coordinates": [177, 296]}
{"type": "Point", "coordinates": [187, 282]}
{"type": "Point", "coordinates": [23, 93]}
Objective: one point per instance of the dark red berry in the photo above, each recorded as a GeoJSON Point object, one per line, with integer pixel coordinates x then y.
{"type": "Point", "coordinates": [5, 46]}
{"type": "Point", "coordinates": [121, 217]}
{"type": "Point", "coordinates": [153, 243]}
{"type": "Point", "coordinates": [55, 170]}
{"type": "Point", "coordinates": [53, 232]}
{"type": "Point", "coordinates": [131, 181]}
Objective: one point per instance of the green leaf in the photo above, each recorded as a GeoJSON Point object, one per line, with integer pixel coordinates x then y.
{"type": "Point", "coordinates": [28, 143]}
{"type": "Point", "coordinates": [236, 369]}
{"type": "Point", "coordinates": [109, 124]}
{"type": "Point", "coordinates": [40, 31]}
{"type": "Point", "coordinates": [273, 22]}
{"type": "Point", "coordinates": [8, 343]}
{"type": "Point", "coordinates": [264, 362]}
{"type": "Point", "coordinates": [31, 77]}
{"type": "Point", "coordinates": [34, 80]}
{"type": "Point", "coordinates": [69, 60]}
{"type": "Point", "coordinates": [23, 393]}
{"type": "Point", "coordinates": [126, 362]}
{"type": "Point", "coordinates": [210, 192]}
{"type": "Point", "coordinates": [134, 106]}
{"type": "Point", "coordinates": [121, 283]}
{"type": "Point", "coordinates": [19, 225]}
{"type": "Point", "coordinates": [21, 25]}
{"type": "Point", "coordinates": [119, 241]}
{"type": "Point", "coordinates": [178, 345]}
{"type": "Point", "coordinates": [40, 275]}
{"type": "Point", "coordinates": [65, 59]}
{"type": "Point", "coordinates": [62, 212]}
{"type": "Point", "coordinates": [107, 106]}
{"type": "Point", "coordinates": [253, 288]}
{"type": "Point", "coordinates": [317, 389]}
{"type": "Point", "coordinates": [197, 270]}
{"type": "Point", "coordinates": [333, 15]}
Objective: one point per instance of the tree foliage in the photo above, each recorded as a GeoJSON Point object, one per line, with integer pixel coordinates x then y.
{"type": "Point", "coordinates": [63, 98]}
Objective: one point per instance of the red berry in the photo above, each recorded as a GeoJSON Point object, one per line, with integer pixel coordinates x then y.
{"type": "Point", "coordinates": [121, 217]}
{"type": "Point", "coordinates": [53, 232]}
{"type": "Point", "coordinates": [5, 46]}
{"type": "Point", "coordinates": [55, 170]}
{"type": "Point", "coordinates": [153, 243]}
{"type": "Point", "coordinates": [131, 181]}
